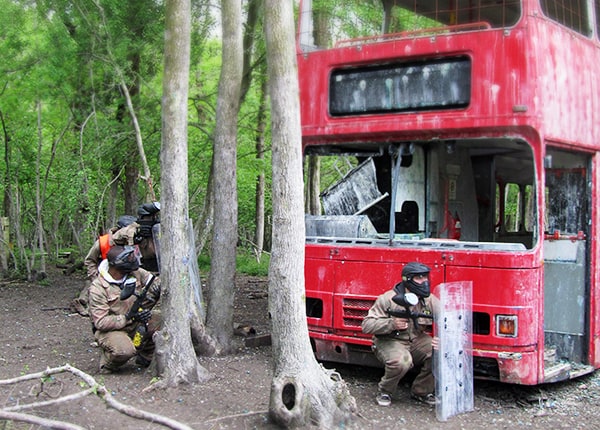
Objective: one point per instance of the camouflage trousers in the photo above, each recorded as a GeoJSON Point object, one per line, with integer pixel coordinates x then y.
{"type": "Point", "coordinates": [399, 356]}
{"type": "Point", "coordinates": [117, 346]}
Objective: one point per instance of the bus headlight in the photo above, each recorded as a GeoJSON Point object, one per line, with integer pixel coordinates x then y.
{"type": "Point", "coordinates": [507, 325]}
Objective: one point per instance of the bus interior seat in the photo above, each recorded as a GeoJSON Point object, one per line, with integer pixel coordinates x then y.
{"type": "Point", "coordinates": [407, 220]}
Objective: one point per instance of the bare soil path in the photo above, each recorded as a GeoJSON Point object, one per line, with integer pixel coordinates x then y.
{"type": "Point", "coordinates": [38, 330]}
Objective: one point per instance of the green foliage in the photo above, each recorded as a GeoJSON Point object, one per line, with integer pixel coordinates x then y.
{"type": "Point", "coordinates": [70, 137]}
{"type": "Point", "coordinates": [348, 19]}
{"type": "Point", "coordinates": [246, 263]}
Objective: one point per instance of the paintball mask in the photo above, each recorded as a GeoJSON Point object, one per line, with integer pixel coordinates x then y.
{"type": "Point", "coordinates": [148, 216]}
{"type": "Point", "coordinates": [409, 272]}
{"type": "Point", "coordinates": [125, 220]}
{"type": "Point", "coordinates": [124, 258]}
{"type": "Point", "coordinates": [127, 288]}
{"type": "Point", "coordinates": [148, 209]}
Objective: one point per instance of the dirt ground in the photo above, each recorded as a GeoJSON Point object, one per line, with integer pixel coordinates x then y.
{"type": "Point", "coordinates": [38, 330]}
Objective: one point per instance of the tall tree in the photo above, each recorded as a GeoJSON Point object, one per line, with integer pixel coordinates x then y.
{"type": "Point", "coordinates": [225, 237]}
{"type": "Point", "coordinates": [175, 356]}
{"type": "Point", "coordinates": [254, 59]}
{"type": "Point", "coordinates": [252, 30]}
{"type": "Point", "coordinates": [259, 217]}
{"type": "Point", "coordinates": [302, 391]}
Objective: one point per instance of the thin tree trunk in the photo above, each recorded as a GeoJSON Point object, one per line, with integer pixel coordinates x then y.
{"type": "Point", "coordinates": [313, 204]}
{"type": "Point", "coordinates": [254, 13]}
{"type": "Point", "coordinates": [7, 201]}
{"type": "Point", "coordinates": [175, 356]}
{"type": "Point", "coordinates": [38, 197]}
{"type": "Point", "coordinates": [313, 177]}
{"type": "Point", "coordinates": [151, 196]}
{"type": "Point", "coordinates": [259, 236]}
{"type": "Point", "coordinates": [20, 238]}
{"type": "Point", "coordinates": [302, 392]}
{"type": "Point", "coordinates": [7, 173]}
{"type": "Point", "coordinates": [207, 214]}
{"type": "Point", "coordinates": [224, 242]}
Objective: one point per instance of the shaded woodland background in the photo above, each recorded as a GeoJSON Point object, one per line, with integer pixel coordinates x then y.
{"type": "Point", "coordinates": [80, 114]}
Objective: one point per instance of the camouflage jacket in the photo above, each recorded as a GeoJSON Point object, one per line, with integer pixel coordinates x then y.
{"type": "Point", "coordinates": [107, 311]}
{"type": "Point", "coordinates": [379, 323]}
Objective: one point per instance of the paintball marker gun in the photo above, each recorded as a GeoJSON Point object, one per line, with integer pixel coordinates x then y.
{"type": "Point", "coordinates": [406, 301]}
{"type": "Point", "coordinates": [137, 308]}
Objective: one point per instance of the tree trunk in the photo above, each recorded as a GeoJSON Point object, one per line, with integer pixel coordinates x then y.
{"type": "Point", "coordinates": [313, 189]}
{"type": "Point", "coordinates": [259, 235]}
{"type": "Point", "coordinates": [207, 214]}
{"type": "Point", "coordinates": [313, 177]}
{"type": "Point", "coordinates": [113, 196]}
{"type": "Point", "coordinates": [175, 356]}
{"type": "Point", "coordinates": [302, 391]}
{"type": "Point", "coordinates": [38, 195]}
{"type": "Point", "coordinates": [130, 189]}
{"type": "Point", "coordinates": [7, 200]}
{"type": "Point", "coordinates": [253, 16]}
{"type": "Point", "coordinates": [224, 242]}
{"type": "Point", "coordinates": [7, 170]}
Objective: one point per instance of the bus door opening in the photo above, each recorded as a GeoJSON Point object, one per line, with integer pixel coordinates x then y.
{"type": "Point", "coordinates": [566, 261]}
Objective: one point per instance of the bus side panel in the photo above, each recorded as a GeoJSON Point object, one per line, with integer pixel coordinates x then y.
{"type": "Point", "coordinates": [504, 291]}
{"type": "Point", "coordinates": [319, 273]}
{"type": "Point", "coordinates": [567, 105]}
{"type": "Point", "coordinates": [511, 292]}
{"type": "Point", "coordinates": [594, 266]}
{"type": "Point", "coordinates": [350, 278]}
{"type": "Point", "coordinates": [358, 285]}
{"type": "Point", "coordinates": [495, 100]}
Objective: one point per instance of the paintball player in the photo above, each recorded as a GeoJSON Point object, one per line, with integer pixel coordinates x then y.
{"type": "Point", "coordinates": [123, 234]}
{"type": "Point", "coordinates": [148, 217]}
{"type": "Point", "coordinates": [404, 342]}
{"type": "Point", "coordinates": [121, 299]}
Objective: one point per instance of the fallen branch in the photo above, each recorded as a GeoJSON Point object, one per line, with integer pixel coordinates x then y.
{"type": "Point", "coordinates": [95, 388]}
{"type": "Point", "coordinates": [63, 399]}
{"type": "Point", "coordinates": [243, 414]}
{"type": "Point", "coordinates": [32, 419]}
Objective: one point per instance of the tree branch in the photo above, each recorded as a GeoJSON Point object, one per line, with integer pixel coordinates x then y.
{"type": "Point", "coordinates": [95, 388]}
{"type": "Point", "coordinates": [32, 419]}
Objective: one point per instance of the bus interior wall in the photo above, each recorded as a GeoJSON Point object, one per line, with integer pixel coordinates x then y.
{"type": "Point", "coordinates": [451, 190]}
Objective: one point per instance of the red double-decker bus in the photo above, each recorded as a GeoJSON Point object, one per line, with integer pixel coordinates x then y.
{"type": "Point", "coordinates": [464, 135]}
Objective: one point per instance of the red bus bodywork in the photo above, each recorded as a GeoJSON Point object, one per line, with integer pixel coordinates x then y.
{"type": "Point", "coordinates": [533, 84]}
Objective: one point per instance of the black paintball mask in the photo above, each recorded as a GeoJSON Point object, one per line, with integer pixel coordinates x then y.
{"type": "Point", "coordinates": [148, 216]}
{"type": "Point", "coordinates": [126, 259]}
{"type": "Point", "coordinates": [149, 211]}
{"type": "Point", "coordinates": [127, 288]}
{"type": "Point", "coordinates": [129, 284]}
{"type": "Point", "coordinates": [125, 220]}
{"type": "Point", "coordinates": [409, 272]}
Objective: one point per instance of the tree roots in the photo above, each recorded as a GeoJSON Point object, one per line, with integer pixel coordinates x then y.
{"type": "Point", "coordinates": [320, 399]}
